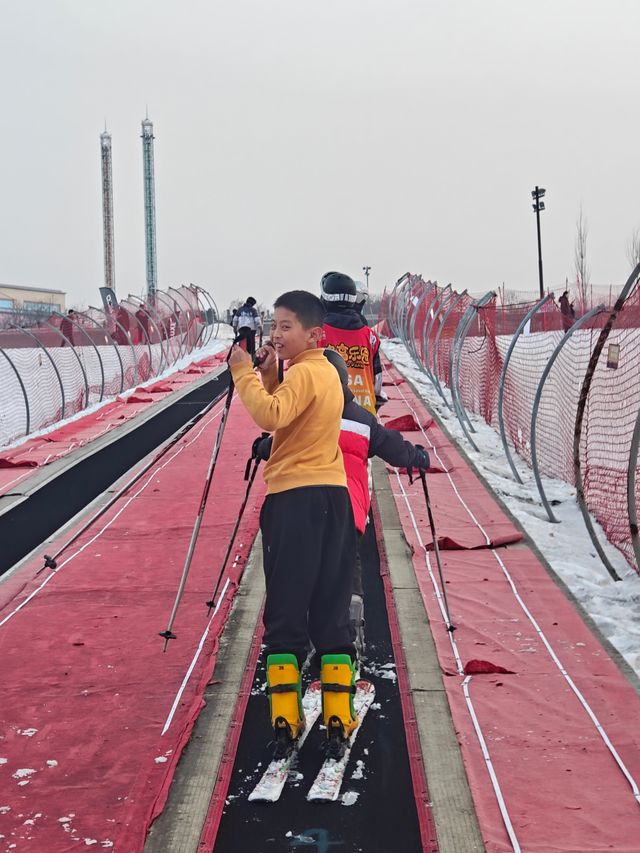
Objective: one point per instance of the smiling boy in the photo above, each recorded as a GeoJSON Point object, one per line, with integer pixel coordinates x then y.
{"type": "Point", "coordinates": [308, 533]}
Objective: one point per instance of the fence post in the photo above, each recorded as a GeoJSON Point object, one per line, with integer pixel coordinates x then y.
{"type": "Point", "coordinates": [142, 306]}
{"type": "Point", "coordinates": [411, 338]}
{"type": "Point", "coordinates": [127, 337]}
{"type": "Point", "coordinates": [70, 342]}
{"type": "Point", "coordinates": [108, 339]}
{"type": "Point", "coordinates": [88, 336]}
{"type": "Point", "coordinates": [452, 305]}
{"type": "Point", "coordinates": [577, 435]}
{"type": "Point", "coordinates": [212, 307]}
{"type": "Point", "coordinates": [189, 310]}
{"type": "Point", "coordinates": [53, 364]}
{"type": "Point", "coordinates": [159, 295]}
{"type": "Point", "coordinates": [536, 404]}
{"type": "Point", "coordinates": [126, 304]}
{"type": "Point", "coordinates": [503, 373]}
{"type": "Point", "coordinates": [440, 299]}
{"type": "Point", "coordinates": [24, 391]}
{"type": "Point", "coordinates": [631, 491]}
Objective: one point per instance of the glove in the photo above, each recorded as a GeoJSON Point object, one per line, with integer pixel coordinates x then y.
{"type": "Point", "coordinates": [421, 458]}
{"type": "Point", "coordinates": [257, 454]}
{"type": "Point", "coordinates": [261, 447]}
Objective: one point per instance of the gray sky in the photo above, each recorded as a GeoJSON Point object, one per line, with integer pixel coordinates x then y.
{"type": "Point", "coordinates": [295, 137]}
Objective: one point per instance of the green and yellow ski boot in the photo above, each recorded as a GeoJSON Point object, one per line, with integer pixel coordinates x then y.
{"type": "Point", "coordinates": [338, 680]}
{"type": "Point", "coordinates": [284, 688]}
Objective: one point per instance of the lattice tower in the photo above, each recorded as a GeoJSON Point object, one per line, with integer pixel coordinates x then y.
{"type": "Point", "coordinates": [107, 211]}
{"type": "Point", "coordinates": [149, 205]}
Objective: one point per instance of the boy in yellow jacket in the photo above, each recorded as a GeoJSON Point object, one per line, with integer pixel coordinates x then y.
{"type": "Point", "coordinates": [308, 532]}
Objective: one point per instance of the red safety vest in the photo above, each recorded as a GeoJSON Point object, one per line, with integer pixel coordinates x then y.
{"type": "Point", "coordinates": [358, 348]}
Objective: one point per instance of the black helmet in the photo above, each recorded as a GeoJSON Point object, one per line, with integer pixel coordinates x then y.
{"type": "Point", "coordinates": [250, 301]}
{"type": "Point", "coordinates": [338, 291]}
{"type": "Point", "coordinates": [340, 365]}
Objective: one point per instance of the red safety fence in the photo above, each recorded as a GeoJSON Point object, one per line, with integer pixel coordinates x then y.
{"type": "Point", "coordinates": [56, 366]}
{"type": "Point", "coordinates": [463, 344]}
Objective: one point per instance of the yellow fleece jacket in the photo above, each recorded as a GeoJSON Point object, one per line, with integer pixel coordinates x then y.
{"type": "Point", "coordinates": [304, 413]}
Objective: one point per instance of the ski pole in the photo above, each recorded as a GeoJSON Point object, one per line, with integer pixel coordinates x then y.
{"type": "Point", "coordinates": [250, 477]}
{"type": "Point", "coordinates": [168, 633]}
{"type": "Point", "coordinates": [423, 477]}
{"type": "Point", "coordinates": [51, 562]}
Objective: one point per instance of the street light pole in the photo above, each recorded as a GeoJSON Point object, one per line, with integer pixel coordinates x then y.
{"type": "Point", "coordinates": [536, 195]}
{"type": "Point", "coordinates": [366, 274]}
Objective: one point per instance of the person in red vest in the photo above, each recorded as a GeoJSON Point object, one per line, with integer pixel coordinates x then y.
{"type": "Point", "coordinates": [346, 332]}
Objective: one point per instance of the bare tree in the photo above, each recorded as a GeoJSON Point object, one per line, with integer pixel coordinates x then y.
{"type": "Point", "coordinates": [581, 267]}
{"type": "Point", "coordinates": [633, 248]}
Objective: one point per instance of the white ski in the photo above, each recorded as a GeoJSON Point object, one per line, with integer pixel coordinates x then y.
{"type": "Point", "coordinates": [274, 777]}
{"type": "Point", "coordinates": [326, 786]}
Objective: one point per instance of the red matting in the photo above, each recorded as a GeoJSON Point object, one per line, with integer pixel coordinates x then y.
{"type": "Point", "coordinates": [540, 727]}
{"type": "Point", "coordinates": [464, 514]}
{"type": "Point", "coordinates": [86, 688]}
{"type": "Point", "coordinates": [17, 464]}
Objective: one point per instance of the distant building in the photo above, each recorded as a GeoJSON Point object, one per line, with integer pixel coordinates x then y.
{"type": "Point", "coordinates": [38, 300]}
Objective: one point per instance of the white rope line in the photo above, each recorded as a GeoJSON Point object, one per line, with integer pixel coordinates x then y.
{"type": "Point", "coordinates": [152, 474]}
{"type": "Point", "coordinates": [444, 467]}
{"type": "Point", "coordinates": [196, 655]}
{"type": "Point", "coordinates": [436, 588]}
{"type": "Point", "coordinates": [569, 680]}
{"type": "Point", "coordinates": [476, 725]}
{"type": "Point", "coordinates": [492, 773]}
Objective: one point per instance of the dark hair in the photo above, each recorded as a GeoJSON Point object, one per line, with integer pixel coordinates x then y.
{"type": "Point", "coordinates": [250, 301]}
{"type": "Point", "coordinates": [307, 307]}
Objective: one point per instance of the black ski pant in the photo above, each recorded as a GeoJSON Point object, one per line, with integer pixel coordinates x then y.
{"type": "Point", "coordinates": [357, 588]}
{"type": "Point", "coordinates": [309, 546]}
{"type": "Point", "coordinates": [249, 336]}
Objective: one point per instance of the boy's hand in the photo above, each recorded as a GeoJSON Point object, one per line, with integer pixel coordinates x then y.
{"type": "Point", "coordinates": [238, 356]}
{"type": "Point", "coordinates": [266, 356]}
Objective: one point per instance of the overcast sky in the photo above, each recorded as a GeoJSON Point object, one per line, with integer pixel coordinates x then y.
{"type": "Point", "coordinates": [295, 137]}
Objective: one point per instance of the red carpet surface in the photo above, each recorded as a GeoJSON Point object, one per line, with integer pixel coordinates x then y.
{"type": "Point", "coordinates": [94, 715]}
{"type": "Point", "coordinates": [548, 725]}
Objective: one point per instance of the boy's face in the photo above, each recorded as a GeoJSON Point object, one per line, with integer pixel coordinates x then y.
{"type": "Point", "coordinates": [289, 335]}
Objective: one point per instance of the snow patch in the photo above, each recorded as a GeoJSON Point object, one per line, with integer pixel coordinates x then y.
{"type": "Point", "coordinates": [51, 762]}
{"type": "Point", "coordinates": [349, 798]}
{"type": "Point", "coordinates": [24, 771]}
{"type": "Point", "coordinates": [161, 759]}
{"type": "Point", "coordinates": [27, 732]}
{"type": "Point", "coordinates": [358, 773]}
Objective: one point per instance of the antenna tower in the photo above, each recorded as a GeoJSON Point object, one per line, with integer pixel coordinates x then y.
{"type": "Point", "coordinates": [107, 210]}
{"type": "Point", "coordinates": [149, 205]}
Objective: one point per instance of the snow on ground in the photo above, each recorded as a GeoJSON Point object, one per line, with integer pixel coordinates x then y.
{"type": "Point", "coordinates": [613, 605]}
{"type": "Point", "coordinates": [218, 344]}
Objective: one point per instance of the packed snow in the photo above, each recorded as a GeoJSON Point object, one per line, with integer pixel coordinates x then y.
{"type": "Point", "coordinates": [613, 605]}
